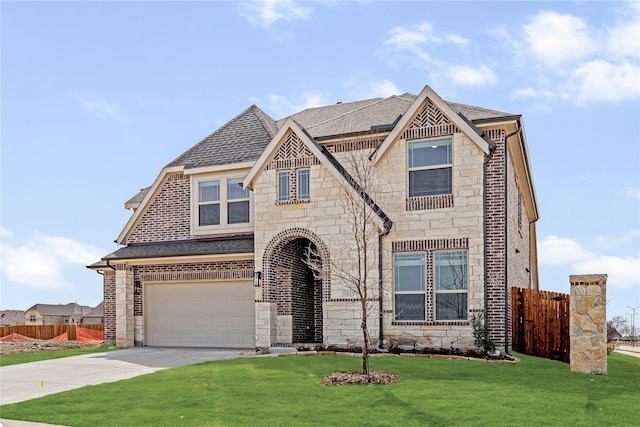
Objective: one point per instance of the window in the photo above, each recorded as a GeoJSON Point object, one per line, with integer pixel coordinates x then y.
{"type": "Point", "coordinates": [451, 285]}
{"type": "Point", "coordinates": [409, 278]}
{"type": "Point", "coordinates": [209, 203]}
{"type": "Point", "coordinates": [448, 289]}
{"type": "Point", "coordinates": [237, 202]}
{"type": "Point", "coordinates": [293, 186]}
{"type": "Point", "coordinates": [220, 203]}
{"type": "Point", "coordinates": [284, 186]}
{"type": "Point", "coordinates": [32, 318]}
{"type": "Point", "coordinates": [303, 184]}
{"type": "Point", "coordinates": [430, 167]}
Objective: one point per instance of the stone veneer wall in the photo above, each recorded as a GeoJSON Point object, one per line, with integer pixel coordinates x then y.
{"type": "Point", "coordinates": [168, 217]}
{"type": "Point", "coordinates": [588, 323]}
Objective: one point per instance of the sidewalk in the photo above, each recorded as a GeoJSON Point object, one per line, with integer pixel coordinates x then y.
{"type": "Point", "coordinates": [629, 351]}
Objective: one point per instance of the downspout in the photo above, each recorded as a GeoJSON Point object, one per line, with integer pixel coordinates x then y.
{"type": "Point", "coordinates": [387, 228]}
{"type": "Point", "coordinates": [506, 239]}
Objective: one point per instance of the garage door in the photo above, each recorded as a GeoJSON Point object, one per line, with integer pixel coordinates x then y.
{"type": "Point", "coordinates": [200, 314]}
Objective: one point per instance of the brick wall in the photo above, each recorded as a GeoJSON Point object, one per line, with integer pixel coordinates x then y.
{"type": "Point", "coordinates": [168, 217]}
{"type": "Point", "coordinates": [496, 243]}
{"type": "Point", "coordinates": [109, 289]}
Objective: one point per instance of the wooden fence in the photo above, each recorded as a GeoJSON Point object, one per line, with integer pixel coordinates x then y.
{"type": "Point", "coordinates": [540, 323]}
{"type": "Point", "coordinates": [47, 332]}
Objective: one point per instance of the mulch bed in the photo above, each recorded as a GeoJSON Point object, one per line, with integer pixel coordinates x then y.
{"type": "Point", "coordinates": [352, 377]}
{"type": "Point", "coordinates": [21, 347]}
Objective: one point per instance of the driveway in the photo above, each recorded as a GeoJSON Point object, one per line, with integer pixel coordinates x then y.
{"type": "Point", "coordinates": [36, 379]}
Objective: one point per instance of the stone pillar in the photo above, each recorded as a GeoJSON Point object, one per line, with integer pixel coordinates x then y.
{"type": "Point", "coordinates": [588, 323]}
{"type": "Point", "coordinates": [124, 307]}
{"type": "Point", "coordinates": [266, 324]}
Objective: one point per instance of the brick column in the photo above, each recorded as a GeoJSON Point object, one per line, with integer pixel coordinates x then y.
{"type": "Point", "coordinates": [588, 323]}
{"type": "Point", "coordinates": [124, 307]}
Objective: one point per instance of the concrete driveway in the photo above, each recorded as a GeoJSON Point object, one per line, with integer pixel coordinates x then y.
{"type": "Point", "coordinates": [31, 380]}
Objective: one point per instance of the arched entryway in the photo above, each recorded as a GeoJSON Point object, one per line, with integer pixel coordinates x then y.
{"type": "Point", "coordinates": [296, 289]}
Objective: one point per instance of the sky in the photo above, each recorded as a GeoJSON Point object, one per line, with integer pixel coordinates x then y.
{"type": "Point", "coordinates": [97, 97]}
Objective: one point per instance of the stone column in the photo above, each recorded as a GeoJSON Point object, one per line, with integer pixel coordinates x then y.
{"type": "Point", "coordinates": [588, 323]}
{"type": "Point", "coordinates": [265, 324]}
{"type": "Point", "coordinates": [124, 307]}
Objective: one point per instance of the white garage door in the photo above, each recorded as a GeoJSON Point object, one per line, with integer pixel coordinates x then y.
{"type": "Point", "coordinates": [200, 314]}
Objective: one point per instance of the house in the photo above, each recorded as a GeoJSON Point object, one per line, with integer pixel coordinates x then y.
{"type": "Point", "coordinates": [95, 316]}
{"type": "Point", "coordinates": [215, 252]}
{"type": "Point", "coordinates": [55, 314]}
{"type": "Point", "coordinates": [11, 317]}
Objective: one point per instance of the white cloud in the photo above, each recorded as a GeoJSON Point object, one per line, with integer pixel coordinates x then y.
{"type": "Point", "coordinates": [632, 193]}
{"type": "Point", "coordinates": [420, 44]}
{"type": "Point", "coordinates": [4, 233]}
{"type": "Point", "coordinates": [265, 13]}
{"type": "Point", "coordinates": [623, 272]}
{"type": "Point", "coordinates": [582, 63]}
{"type": "Point", "coordinates": [280, 107]}
{"type": "Point", "coordinates": [601, 81]}
{"type": "Point", "coordinates": [38, 263]}
{"type": "Point", "coordinates": [99, 107]}
{"type": "Point", "coordinates": [556, 40]}
{"type": "Point", "coordinates": [471, 76]}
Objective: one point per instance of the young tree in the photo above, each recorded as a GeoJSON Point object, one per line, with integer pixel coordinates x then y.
{"type": "Point", "coordinates": [355, 267]}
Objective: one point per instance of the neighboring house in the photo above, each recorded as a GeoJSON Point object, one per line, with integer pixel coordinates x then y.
{"type": "Point", "coordinates": [11, 317]}
{"type": "Point", "coordinates": [95, 316]}
{"type": "Point", "coordinates": [242, 205]}
{"type": "Point", "coordinates": [55, 314]}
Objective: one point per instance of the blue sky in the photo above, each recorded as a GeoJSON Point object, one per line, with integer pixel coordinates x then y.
{"type": "Point", "coordinates": [98, 96]}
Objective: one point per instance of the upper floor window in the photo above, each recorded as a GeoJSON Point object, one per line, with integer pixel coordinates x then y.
{"type": "Point", "coordinates": [293, 186]}
{"type": "Point", "coordinates": [32, 318]}
{"type": "Point", "coordinates": [220, 203]}
{"type": "Point", "coordinates": [430, 165]}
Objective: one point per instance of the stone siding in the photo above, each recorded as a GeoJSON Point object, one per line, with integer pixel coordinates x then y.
{"type": "Point", "coordinates": [588, 323]}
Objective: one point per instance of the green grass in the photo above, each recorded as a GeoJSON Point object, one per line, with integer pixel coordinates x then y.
{"type": "Point", "coordinates": [14, 359]}
{"type": "Point", "coordinates": [287, 391]}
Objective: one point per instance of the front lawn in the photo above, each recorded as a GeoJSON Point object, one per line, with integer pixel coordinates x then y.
{"type": "Point", "coordinates": [14, 359]}
{"type": "Point", "coordinates": [287, 391]}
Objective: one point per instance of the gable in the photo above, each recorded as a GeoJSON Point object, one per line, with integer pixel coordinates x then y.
{"type": "Point", "coordinates": [293, 147]}
{"type": "Point", "coordinates": [429, 116]}
{"type": "Point", "coordinates": [292, 153]}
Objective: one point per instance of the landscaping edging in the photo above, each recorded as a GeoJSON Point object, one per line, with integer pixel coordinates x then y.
{"type": "Point", "coordinates": [426, 356]}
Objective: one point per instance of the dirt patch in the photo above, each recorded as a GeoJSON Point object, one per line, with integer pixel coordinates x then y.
{"type": "Point", "coordinates": [21, 347]}
{"type": "Point", "coordinates": [352, 377]}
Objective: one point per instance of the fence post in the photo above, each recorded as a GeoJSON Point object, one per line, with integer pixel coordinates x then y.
{"type": "Point", "coordinates": [588, 323]}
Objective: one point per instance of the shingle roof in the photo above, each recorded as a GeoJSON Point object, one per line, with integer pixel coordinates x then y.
{"type": "Point", "coordinates": [218, 245]}
{"type": "Point", "coordinates": [362, 116]}
{"type": "Point", "coordinates": [241, 139]}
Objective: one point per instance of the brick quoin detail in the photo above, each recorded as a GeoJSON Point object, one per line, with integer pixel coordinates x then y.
{"type": "Point", "coordinates": [497, 301]}
{"type": "Point", "coordinates": [109, 289]}
{"type": "Point", "coordinates": [168, 216]}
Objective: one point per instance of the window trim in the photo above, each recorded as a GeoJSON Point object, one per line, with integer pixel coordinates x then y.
{"type": "Point", "coordinates": [430, 284]}
{"type": "Point", "coordinates": [282, 197]}
{"type": "Point", "coordinates": [304, 196]}
{"type": "Point", "coordinates": [292, 180]}
{"type": "Point", "coordinates": [431, 167]}
{"type": "Point", "coordinates": [437, 292]}
{"type": "Point", "coordinates": [224, 226]}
